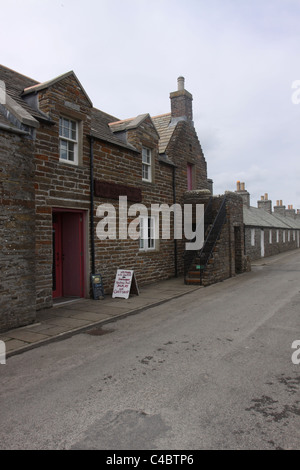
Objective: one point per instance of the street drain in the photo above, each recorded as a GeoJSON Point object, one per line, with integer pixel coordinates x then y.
{"type": "Point", "coordinates": [99, 332]}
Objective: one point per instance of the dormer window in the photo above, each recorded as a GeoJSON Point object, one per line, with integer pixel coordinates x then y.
{"type": "Point", "coordinates": [146, 164]}
{"type": "Point", "coordinates": [68, 141]}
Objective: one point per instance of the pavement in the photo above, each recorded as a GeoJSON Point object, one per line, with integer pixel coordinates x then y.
{"type": "Point", "coordinates": [78, 315]}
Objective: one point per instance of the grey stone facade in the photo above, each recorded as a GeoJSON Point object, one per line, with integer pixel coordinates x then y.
{"type": "Point", "coordinates": [17, 223]}
{"type": "Point", "coordinates": [269, 232]}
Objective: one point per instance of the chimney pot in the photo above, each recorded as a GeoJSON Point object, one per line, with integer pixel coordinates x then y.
{"type": "Point", "coordinates": [281, 202]}
{"type": "Point", "coordinates": [262, 198]}
{"type": "Point", "coordinates": [242, 186]}
{"type": "Point", "coordinates": [266, 196]}
{"type": "Point", "coordinates": [238, 185]}
{"type": "Point", "coordinates": [180, 82]}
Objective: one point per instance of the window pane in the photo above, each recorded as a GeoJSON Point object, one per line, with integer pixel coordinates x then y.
{"type": "Point", "coordinates": [145, 173]}
{"type": "Point", "coordinates": [63, 150]}
{"type": "Point", "coordinates": [71, 151]}
{"type": "Point", "coordinates": [73, 134]}
{"type": "Point", "coordinates": [146, 156]}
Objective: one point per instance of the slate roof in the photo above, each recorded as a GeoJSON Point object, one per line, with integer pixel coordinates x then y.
{"type": "Point", "coordinates": [260, 218]}
{"type": "Point", "coordinates": [104, 126]}
{"type": "Point", "coordinates": [41, 86]}
{"type": "Point", "coordinates": [288, 220]}
{"type": "Point", "coordinates": [4, 123]}
{"type": "Point", "coordinates": [15, 84]}
{"type": "Point", "coordinates": [165, 131]}
{"type": "Point", "coordinates": [101, 129]}
{"type": "Point", "coordinates": [127, 124]}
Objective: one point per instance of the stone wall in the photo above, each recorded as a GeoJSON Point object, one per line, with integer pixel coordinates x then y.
{"type": "Point", "coordinates": [17, 263]}
{"type": "Point", "coordinates": [228, 257]}
{"type": "Point", "coordinates": [125, 168]}
{"type": "Point", "coordinates": [58, 184]}
{"type": "Point", "coordinates": [282, 240]}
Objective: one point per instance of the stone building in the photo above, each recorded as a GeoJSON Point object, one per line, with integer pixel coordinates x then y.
{"type": "Point", "coordinates": [61, 160]}
{"type": "Point", "coordinates": [222, 255]}
{"type": "Point", "coordinates": [268, 232]}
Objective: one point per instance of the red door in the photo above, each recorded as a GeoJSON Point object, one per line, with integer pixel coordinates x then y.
{"type": "Point", "coordinates": [68, 278]}
{"type": "Point", "coordinates": [57, 258]}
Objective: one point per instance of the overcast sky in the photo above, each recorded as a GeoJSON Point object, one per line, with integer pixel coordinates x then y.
{"type": "Point", "coordinates": [239, 58]}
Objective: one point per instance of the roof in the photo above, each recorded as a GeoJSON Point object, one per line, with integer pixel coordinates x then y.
{"type": "Point", "coordinates": [165, 131]}
{"type": "Point", "coordinates": [288, 220]}
{"type": "Point", "coordinates": [103, 126]}
{"type": "Point", "coordinates": [42, 86]}
{"type": "Point", "coordinates": [256, 217]}
{"type": "Point", "coordinates": [100, 129]}
{"type": "Point", "coordinates": [127, 124]}
{"type": "Point", "coordinates": [15, 84]}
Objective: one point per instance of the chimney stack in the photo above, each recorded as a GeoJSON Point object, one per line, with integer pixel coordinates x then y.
{"type": "Point", "coordinates": [265, 203]}
{"type": "Point", "coordinates": [241, 191]}
{"type": "Point", "coordinates": [290, 212]}
{"type": "Point", "coordinates": [181, 103]}
{"type": "Point", "coordinates": [279, 209]}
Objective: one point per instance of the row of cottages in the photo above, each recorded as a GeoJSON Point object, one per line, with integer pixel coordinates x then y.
{"type": "Point", "coordinates": [62, 159]}
{"type": "Point", "coordinates": [268, 232]}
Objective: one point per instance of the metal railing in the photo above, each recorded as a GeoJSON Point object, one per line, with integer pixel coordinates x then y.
{"type": "Point", "coordinates": [190, 255]}
{"type": "Point", "coordinates": [212, 238]}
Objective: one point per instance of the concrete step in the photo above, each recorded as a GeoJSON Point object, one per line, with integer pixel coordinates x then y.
{"type": "Point", "coordinates": [192, 281]}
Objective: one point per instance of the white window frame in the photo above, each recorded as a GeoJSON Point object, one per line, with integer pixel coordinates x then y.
{"type": "Point", "coordinates": [289, 235]}
{"type": "Point", "coordinates": [66, 138]}
{"type": "Point", "coordinates": [147, 233]}
{"type": "Point", "coordinates": [283, 236]}
{"type": "Point", "coordinates": [146, 164]}
{"type": "Point", "coordinates": [277, 236]}
{"type": "Point", "coordinates": [253, 237]}
{"type": "Point", "coordinates": [270, 237]}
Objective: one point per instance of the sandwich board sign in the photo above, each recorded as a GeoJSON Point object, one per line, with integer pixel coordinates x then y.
{"type": "Point", "coordinates": [125, 284]}
{"type": "Point", "coordinates": [97, 285]}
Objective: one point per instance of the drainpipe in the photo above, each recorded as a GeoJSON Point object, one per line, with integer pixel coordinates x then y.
{"type": "Point", "coordinates": [175, 241]}
{"type": "Point", "coordinates": [92, 203]}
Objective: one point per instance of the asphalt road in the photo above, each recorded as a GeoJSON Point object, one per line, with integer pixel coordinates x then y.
{"type": "Point", "coordinates": [211, 370]}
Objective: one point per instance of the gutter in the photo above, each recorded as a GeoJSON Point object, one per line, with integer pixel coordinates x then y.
{"type": "Point", "coordinates": [174, 202]}
{"type": "Point", "coordinates": [14, 130]}
{"type": "Point", "coordinates": [92, 203]}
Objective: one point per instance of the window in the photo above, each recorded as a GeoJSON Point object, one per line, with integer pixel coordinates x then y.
{"type": "Point", "coordinates": [146, 164]}
{"type": "Point", "coordinates": [270, 236]}
{"type": "Point", "coordinates": [147, 233]}
{"type": "Point", "coordinates": [68, 140]}
{"type": "Point", "coordinates": [294, 235]}
{"type": "Point", "coordinates": [253, 237]}
{"type": "Point", "coordinates": [283, 236]}
{"type": "Point", "coordinates": [289, 235]}
{"type": "Point", "coordinates": [277, 236]}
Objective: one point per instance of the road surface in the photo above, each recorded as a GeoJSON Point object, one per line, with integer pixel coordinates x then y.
{"type": "Point", "coordinates": [211, 370]}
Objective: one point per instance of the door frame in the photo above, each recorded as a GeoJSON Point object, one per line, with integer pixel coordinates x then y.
{"type": "Point", "coordinates": [83, 247]}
